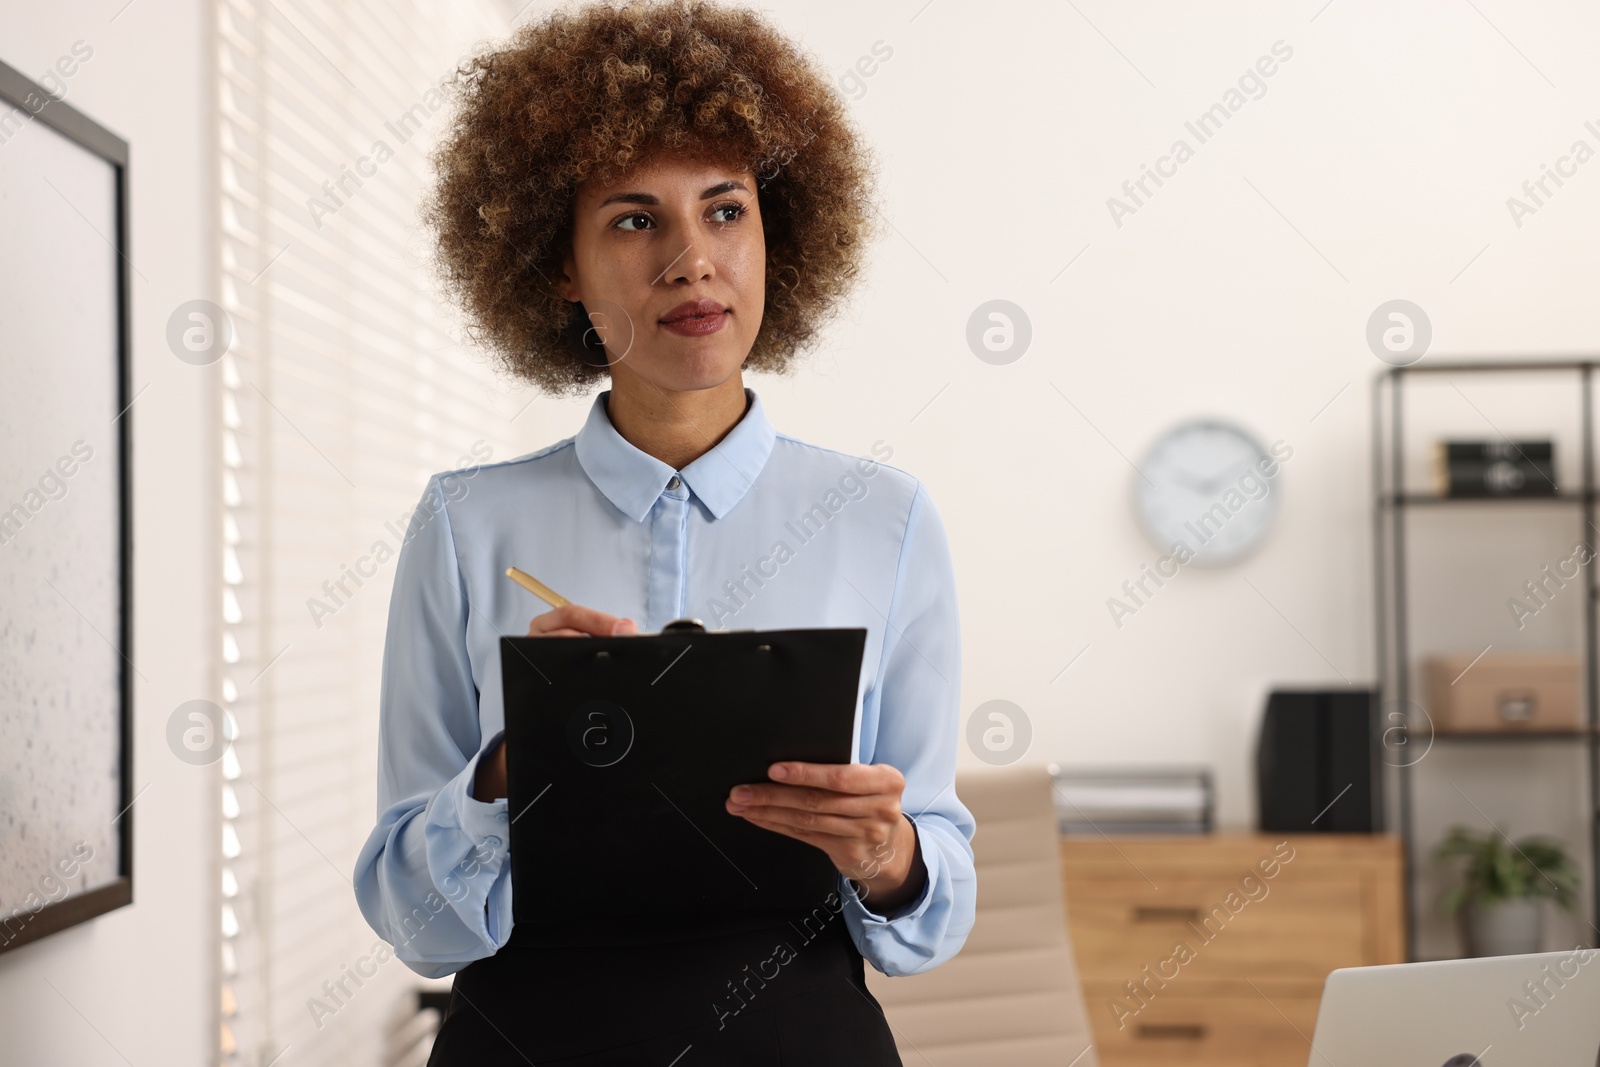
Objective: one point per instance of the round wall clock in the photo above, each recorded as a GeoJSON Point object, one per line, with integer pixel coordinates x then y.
{"type": "Point", "coordinates": [1211, 485]}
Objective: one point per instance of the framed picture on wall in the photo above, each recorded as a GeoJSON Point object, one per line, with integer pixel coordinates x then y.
{"type": "Point", "coordinates": [66, 658]}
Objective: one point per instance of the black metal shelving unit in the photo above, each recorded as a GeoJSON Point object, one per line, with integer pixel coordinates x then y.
{"type": "Point", "coordinates": [1394, 658]}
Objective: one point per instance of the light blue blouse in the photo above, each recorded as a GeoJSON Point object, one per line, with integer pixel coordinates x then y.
{"type": "Point", "coordinates": [761, 532]}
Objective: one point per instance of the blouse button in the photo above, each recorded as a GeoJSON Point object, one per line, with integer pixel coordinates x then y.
{"type": "Point", "coordinates": [674, 483]}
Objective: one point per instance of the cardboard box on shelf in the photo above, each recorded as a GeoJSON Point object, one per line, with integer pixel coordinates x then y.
{"type": "Point", "coordinates": [1507, 692]}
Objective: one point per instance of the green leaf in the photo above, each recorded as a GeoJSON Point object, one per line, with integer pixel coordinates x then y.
{"type": "Point", "coordinates": [1496, 869]}
{"type": "Point", "coordinates": [1451, 902]}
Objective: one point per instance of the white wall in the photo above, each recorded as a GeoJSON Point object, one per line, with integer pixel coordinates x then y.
{"type": "Point", "coordinates": [1377, 165]}
{"type": "Point", "coordinates": [138, 985]}
{"type": "Point", "coordinates": [1390, 141]}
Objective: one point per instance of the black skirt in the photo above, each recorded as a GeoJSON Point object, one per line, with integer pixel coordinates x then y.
{"type": "Point", "coordinates": [698, 994]}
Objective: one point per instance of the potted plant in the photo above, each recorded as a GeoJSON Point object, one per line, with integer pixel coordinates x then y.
{"type": "Point", "coordinates": [1503, 887]}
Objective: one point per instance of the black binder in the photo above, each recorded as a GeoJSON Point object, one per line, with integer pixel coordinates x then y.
{"type": "Point", "coordinates": [1317, 762]}
{"type": "Point", "coordinates": [621, 752]}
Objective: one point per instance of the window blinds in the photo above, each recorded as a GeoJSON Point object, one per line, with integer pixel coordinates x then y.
{"type": "Point", "coordinates": [341, 392]}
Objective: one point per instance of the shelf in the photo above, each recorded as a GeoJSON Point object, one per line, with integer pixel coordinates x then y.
{"type": "Point", "coordinates": [1393, 549]}
{"type": "Point", "coordinates": [1513, 735]}
{"type": "Point", "coordinates": [1493, 366]}
{"type": "Point", "coordinates": [1409, 499]}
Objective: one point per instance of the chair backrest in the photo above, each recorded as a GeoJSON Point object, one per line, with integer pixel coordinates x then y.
{"type": "Point", "coordinates": [1012, 995]}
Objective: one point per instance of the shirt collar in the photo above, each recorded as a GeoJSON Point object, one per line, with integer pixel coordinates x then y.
{"type": "Point", "coordinates": [633, 480]}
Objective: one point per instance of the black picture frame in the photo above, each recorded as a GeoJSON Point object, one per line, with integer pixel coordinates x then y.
{"type": "Point", "coordinates": [18, 91]}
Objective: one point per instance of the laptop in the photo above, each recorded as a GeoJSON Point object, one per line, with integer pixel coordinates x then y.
{"type": "Point", "coordinates": [1539, 1010]}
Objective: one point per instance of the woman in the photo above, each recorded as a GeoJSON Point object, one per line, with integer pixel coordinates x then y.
{"type": "Point", "coordinates": [658, 197]}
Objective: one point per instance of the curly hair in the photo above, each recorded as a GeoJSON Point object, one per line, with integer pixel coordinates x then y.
{"type": "Point", "coordinates": [587, 94]}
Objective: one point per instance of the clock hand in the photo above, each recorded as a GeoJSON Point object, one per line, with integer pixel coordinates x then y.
{"type": "Point", "coordinates": [1189, 482]}
{"type": "Point", "coordinates": [1212, 483]}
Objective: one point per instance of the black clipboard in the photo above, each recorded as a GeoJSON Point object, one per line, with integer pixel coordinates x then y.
{"type": "Point", "coordinates": [621, 752]}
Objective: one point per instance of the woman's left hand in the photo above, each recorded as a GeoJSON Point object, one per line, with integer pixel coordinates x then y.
{"type": "Point", "coordinates": [852, 812]}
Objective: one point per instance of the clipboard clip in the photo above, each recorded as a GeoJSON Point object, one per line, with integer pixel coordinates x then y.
{"type": "Point", "coordinates": [695, 626]}
{"type": "Point", "coordinates": [689, 625]}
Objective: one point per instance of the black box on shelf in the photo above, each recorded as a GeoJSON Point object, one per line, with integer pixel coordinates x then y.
{"type": "Point", "coordinates": [1494, 468]}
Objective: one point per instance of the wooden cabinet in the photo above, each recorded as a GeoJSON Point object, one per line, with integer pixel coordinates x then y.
{"type": "Point", "coordinates": [1213, 950]}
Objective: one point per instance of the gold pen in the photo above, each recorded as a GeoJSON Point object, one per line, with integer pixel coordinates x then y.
{"type": "Point", "coordinates": [556, 600]}
{"type": "Point", "coordinates": [536, 587]}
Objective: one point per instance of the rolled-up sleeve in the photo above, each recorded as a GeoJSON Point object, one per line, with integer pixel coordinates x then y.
{"type": "Point", "coordinates": [915, 703]}
{"type": "Point", "coordinates": [432, 878]}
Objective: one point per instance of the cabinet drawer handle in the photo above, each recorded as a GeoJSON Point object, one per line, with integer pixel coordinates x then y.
{"type": "Point", "coordinates": [1151, 914]}
{"type": "Point", "coordinates": [1170, 1031]}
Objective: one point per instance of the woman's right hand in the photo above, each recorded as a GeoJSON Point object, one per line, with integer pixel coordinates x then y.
{"type": "Point", "coordinates": [569, 620]}
{"type": "Point", "coordinates": [575, 620]}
